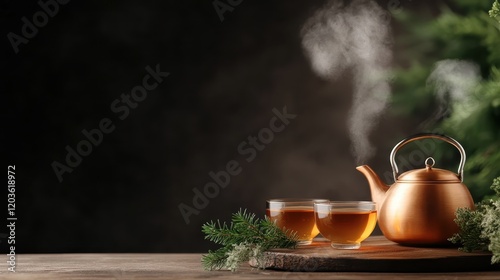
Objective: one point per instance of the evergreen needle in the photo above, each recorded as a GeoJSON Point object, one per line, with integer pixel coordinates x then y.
{"type": "Point", "coordinates": [245, 238]}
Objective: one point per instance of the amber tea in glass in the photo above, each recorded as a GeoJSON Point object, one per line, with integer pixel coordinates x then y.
{"type": "Point", "coordinates": [345, 223]}
{"type": "Point", "coordinates": [295, 215]}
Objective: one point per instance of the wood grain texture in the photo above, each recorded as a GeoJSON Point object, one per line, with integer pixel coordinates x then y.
{"type": "Point", "coordinates": [377, 254]}
{"type": "Point", "coordinates": [188, 266]}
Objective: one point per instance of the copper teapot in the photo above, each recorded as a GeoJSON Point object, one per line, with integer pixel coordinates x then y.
{"type": "Point", "coordinates": [419, 208]}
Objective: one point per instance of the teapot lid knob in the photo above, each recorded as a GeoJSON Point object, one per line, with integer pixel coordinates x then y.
{"type": "Point", "coordinates": [429, 162]}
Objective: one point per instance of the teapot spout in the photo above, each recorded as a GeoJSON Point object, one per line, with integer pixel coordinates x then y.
{"type": "Point", "coordinates": [377, 188]}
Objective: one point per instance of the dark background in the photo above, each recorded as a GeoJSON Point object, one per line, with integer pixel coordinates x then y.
{"type": "Point", "coordinates": [225, 79]}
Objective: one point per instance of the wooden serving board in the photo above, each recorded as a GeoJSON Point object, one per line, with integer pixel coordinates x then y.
{"type": "Point", "coordinates": [377, 254]}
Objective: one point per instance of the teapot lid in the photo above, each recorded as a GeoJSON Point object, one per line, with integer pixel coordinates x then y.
{"type": "Point", "coordinates": [429, 174]}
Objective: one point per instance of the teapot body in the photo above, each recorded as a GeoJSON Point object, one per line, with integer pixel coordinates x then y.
{"type": "Point", "coordinates": [422, 213]}
{"type": "Point", "coordinates": [420, 207]}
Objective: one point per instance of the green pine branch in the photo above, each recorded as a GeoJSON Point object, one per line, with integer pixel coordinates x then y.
{"type": "Point", "coordinates": [245, 238]}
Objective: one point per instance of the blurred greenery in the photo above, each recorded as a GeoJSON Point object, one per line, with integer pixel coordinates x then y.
{"type": "Point", "coordinates": [465, 32]}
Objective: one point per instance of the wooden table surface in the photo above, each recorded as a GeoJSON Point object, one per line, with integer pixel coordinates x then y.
{"type": "Point", "coordinates": [377, 254]}
{"type": "Point", "coordinates": [179, 266]}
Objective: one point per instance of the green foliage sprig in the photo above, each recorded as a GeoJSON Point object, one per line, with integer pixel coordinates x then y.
{"type": "Point", "coordinates": [495, 11]}
{"type": "Point", "coordinates": [245, 238]}
{"type": "Point", "coordinates": [480, 228]}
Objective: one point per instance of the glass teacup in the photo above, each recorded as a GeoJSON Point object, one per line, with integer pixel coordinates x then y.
{"type": "Point", "coordinates": [295, 215]}
{"type": "Point", "coordinates": [345, 223]}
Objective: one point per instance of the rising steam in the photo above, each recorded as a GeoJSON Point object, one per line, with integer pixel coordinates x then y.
{"type": "Point", "coordinates": [354, 36]}
{"type": "Point", "coordinates": [453, 82]}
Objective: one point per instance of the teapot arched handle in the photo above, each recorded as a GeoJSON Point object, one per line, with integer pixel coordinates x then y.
{"type": "Point", "coordinates": [420, 136]}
